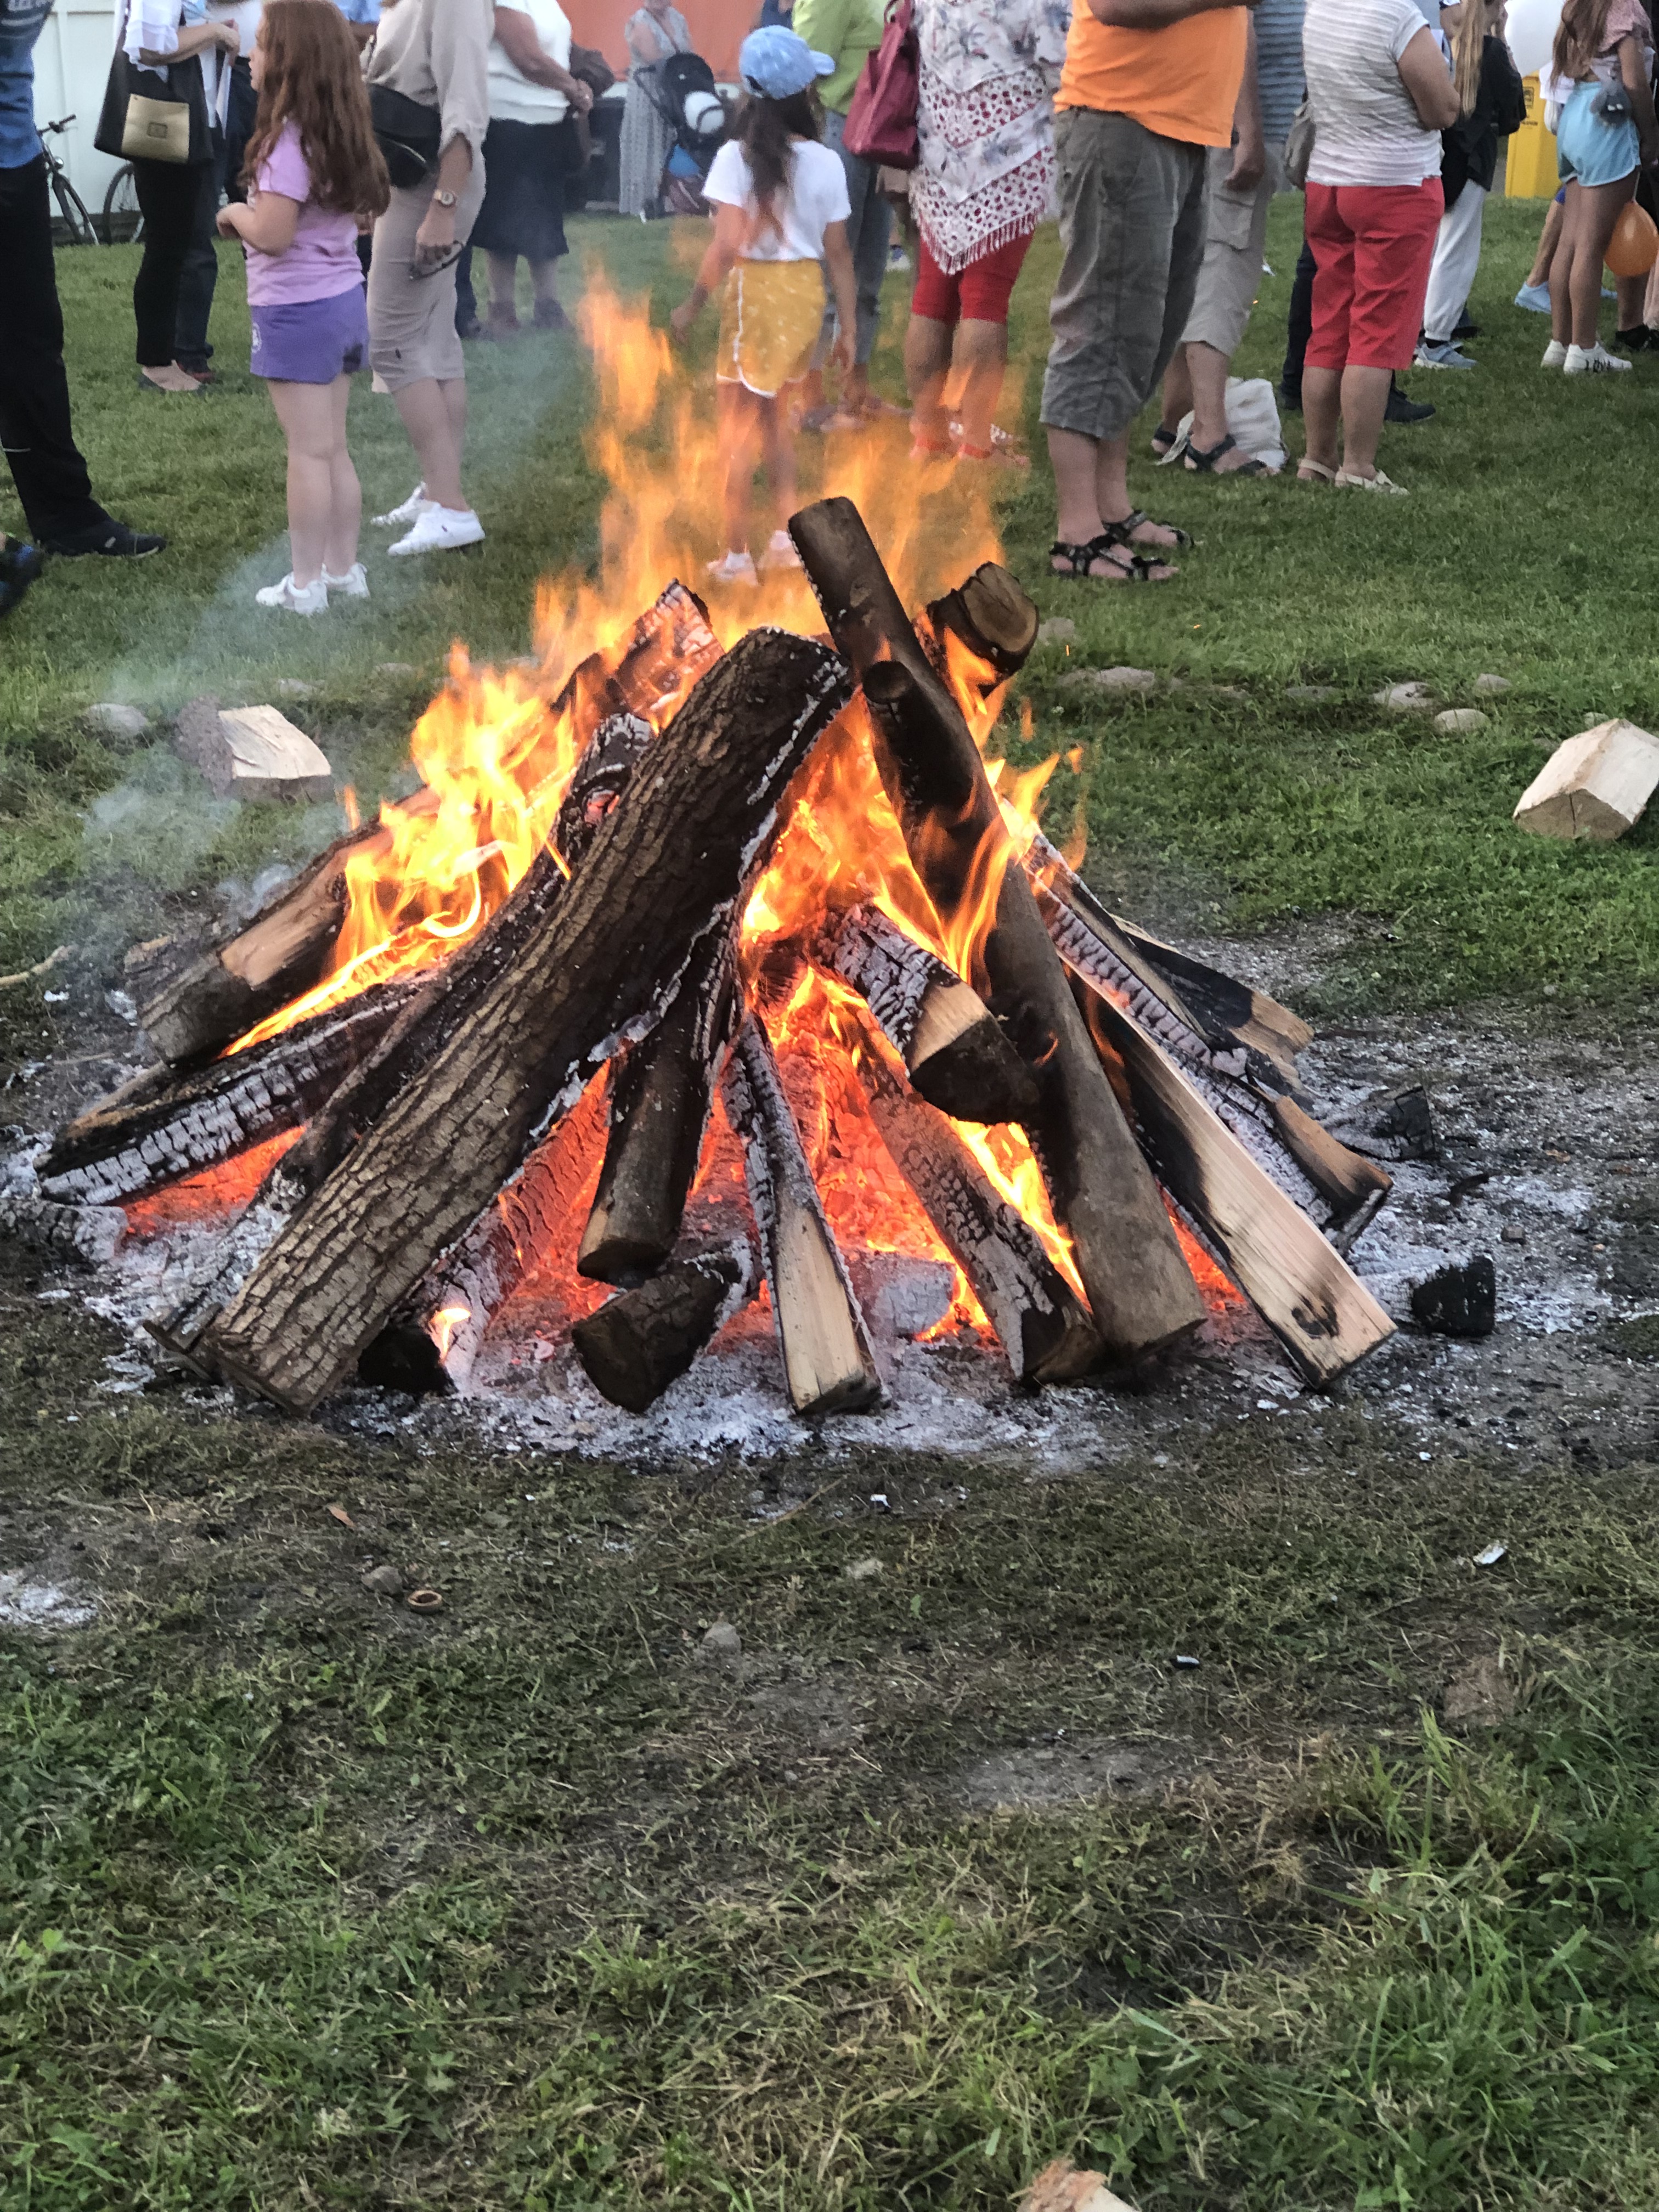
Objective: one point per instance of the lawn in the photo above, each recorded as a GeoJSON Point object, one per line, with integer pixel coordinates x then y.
{"type": "Point", "coordinates": [308, 1901]}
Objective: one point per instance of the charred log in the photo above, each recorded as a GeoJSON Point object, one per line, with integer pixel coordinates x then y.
{"type": "Point", "coordinates": [992, 616]}
{"type": "Point", "coordinates": [640, 1342]}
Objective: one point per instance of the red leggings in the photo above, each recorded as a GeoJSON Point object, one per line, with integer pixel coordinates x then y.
{"type": "Point", "coordinates": [978, 293]}
{"type": "Point", "coordinates": [1374, 246]}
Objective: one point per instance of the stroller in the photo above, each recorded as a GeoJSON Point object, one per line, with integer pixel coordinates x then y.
{"type": "Point", "coordinates": [681, 90]}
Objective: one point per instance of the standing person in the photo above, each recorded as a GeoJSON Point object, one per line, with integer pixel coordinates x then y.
{"type": "Point", "coordinates": [1382, 94]}
{"type": "Point", "coordinates": [1493, 101]}
{"type": "Point", "coordinates": [1242, 180]}
{"type": "Point", "coordinates": [200, 273]}
{"type": "Point", "coordinates": [531, 147]}
{"type": "Point", "coordinates": [156, 34]}
{"type": "Point", "coordinates": [654, 33]}
{"type": "Point", "coordinates": [1608, 132]}
{"type": "Point", "coordinates": [781, 213]}
{"type": "Point", "coordinates": [35, 429]}
{"type": "Point", "coordinates": [984, 131]}
{"type": "Point", "coordinates": [435, 53]}
{"type": "Point", "coordinates": [314, 174]}
{"type": "Point", "coordinates": [849, 31]}
{"type": "Point", "coordinates": [1149, 87]}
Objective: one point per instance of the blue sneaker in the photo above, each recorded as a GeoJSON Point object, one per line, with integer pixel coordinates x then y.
{"type": "Point", "coordinates": [1445, 355]}
{"type": "Point", "coordinates": [1535, 296]}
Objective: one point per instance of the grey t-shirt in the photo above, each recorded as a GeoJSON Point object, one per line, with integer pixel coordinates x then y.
{"type": "Point", "coordinates": [1279, 68]}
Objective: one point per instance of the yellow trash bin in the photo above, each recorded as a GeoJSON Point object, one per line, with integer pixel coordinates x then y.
{"type": "Point", "coordinates": [1530, 172]}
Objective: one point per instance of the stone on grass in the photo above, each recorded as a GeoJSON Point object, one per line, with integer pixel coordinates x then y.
{"type": "Point", "coordinates": [113, 718]}
{"type": "Point", "coordinates": [384, 1581]}
{"type": "Point", "coordinates": [862, 1571]}
{"type": "Point", "coordinates": [1492, 687]}
{"type": "Point", "coordinates": [295, 687]}
{"type": "Point", "coordinates": [1311, 694]}
{"type": "Point", "coordinates": [722, 1646]}
{"type": "Point", "coordinates": [1115, 679]}
{"type": "Point", "coordinates": [1412, 698]}
{"type": "Point", "coordinates": [1461, 721]}
{"type": "Point", "coordinates": [1059, 629]}
{"type": "Point", "coordinates": [396, 668]}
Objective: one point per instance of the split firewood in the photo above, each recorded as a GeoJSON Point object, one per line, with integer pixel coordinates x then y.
{"type": "Point", "coordinates": [163, 1125]}
{"type": "Point", "coordinates": [992, 616]}
{"type": "Point", "coordinates": [1040, 1323]}
{"type": "Point", "coordinates": [1142, 1296]}
{"type": "Point", "coordinates": [829, 1367]}
{"type": "Point", "coordinates": [193, 999]}
{"type": "Point", "coordinates": [1303, 1290]}
{"type": "Point", "coordinates": [1596, 786]}
{"type": "Point", "coordinates": [251, 752]}
{"type": "Point", "coordinates": [91, 1234]}
{"type": "Point", "coordinates": [665, 874]}
{"type": "Point", "coordinates": [644, 1339]}
{"type": "Point", "coordinates": [955, 1054]}
{"type": "Point", "coordinates": [1061, 2188]}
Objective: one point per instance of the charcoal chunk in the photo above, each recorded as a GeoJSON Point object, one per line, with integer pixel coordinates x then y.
{"type": "Point", "coordinates": [1459, 1301]}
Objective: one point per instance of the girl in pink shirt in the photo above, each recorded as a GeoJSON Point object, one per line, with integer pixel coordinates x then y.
{"type": "Point", "coordinates": [314, 176]}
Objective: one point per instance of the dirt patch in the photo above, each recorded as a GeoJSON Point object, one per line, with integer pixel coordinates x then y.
{"type": "Point", "coordinates": [1040, 1776]}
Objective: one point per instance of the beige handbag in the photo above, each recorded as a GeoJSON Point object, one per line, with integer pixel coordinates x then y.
{"type": "Point", "coordinates": [155, 129]}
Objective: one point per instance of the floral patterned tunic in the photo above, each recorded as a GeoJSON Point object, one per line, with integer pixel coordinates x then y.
{"type": "Point", "coordinates": [985, 123]}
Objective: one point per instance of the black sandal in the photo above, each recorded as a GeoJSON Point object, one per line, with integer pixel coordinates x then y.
{"type": "Point", "coordinates": [1204, 464]}
{"type": "Point", "coordinates": [1079, 560]}
{"type": "Point", "coordinates": [1163, 441]}
{"type": "Point", "coordinates": [1125, 533]}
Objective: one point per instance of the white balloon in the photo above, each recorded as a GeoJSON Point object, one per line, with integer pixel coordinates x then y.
{"type": "Point", "coordinates": [1532, 28]}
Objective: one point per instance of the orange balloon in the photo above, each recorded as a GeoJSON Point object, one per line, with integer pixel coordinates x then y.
{"type": "Point", "coordinates": [1634, 246]}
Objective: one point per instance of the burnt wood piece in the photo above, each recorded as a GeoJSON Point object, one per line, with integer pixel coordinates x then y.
{"type": "Point", "coordinates": [1042, 1324]}
{"type": "Point", "coordinates": [992, 616]}
{"type": "Point", "coordinates": [1141, 1291]}
{"type": "Point", "coordinates": [164, 1125]}
{"type": "Point", "coordinates": [448, 996]}
{"type": "Point", "coordinates": [828, 1364]}
{"type": "Point", "coordinates": [665, 873]}
{"type": "Point", "coordinates": [645, 1339]}
{"type": "Point", "coordinates": [1304, 1291]}
{"type": "Point", "coordinates": [181, 1322]}
{"type": "Point", "coordinates": [91, 1234]}
{"type": "Point", "coordinates": [660, 1096]}
{"type": "Point", "coordinates": [192, 1001]}
{"type": "Point", "coordinates": [954, 1052]}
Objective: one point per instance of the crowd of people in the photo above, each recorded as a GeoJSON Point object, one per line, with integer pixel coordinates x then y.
{"type": "Point", "coordinates": [362, 150]}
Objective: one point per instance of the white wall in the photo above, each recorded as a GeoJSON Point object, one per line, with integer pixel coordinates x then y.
{"type": "Point", "coordinates": [71, 67]}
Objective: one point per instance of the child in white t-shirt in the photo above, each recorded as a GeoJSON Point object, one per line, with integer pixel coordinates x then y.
{"type": "Point", "coordinates": [781, 211]}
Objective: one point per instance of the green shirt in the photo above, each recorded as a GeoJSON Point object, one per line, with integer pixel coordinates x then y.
{"type": "Point", "coordinates": [849, 30]}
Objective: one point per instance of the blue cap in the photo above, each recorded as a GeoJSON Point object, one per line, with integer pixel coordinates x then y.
{"type": "Point", "coordinates": [777, 64]}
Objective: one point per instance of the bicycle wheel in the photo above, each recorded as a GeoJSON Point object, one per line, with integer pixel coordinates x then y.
{"type": "Point", "coordinates": [81, 229]}
{"type": "Point", "coordinates": [123, 219]}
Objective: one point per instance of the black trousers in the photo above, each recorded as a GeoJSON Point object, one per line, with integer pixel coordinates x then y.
{"type": "Point", "coordinates": [35, 404]}
{"type": "Point", "coordinates": [201, 270]}
{"type": "Point", "coordinates": [169, 193]}
{"type": "Point", "coordinates": [1301, 321]}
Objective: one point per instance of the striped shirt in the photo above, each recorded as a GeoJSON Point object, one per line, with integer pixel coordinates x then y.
{"type": "Point", "coordinates": [1367, 130]}
{"type": "Point", "coordinates": [1278, 64]}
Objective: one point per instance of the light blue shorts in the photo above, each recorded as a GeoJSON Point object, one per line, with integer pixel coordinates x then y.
{"type": "Point", "coordinates": [1588, 151]}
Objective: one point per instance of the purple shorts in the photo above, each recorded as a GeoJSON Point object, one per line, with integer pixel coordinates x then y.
{"type": "Point", "coordinates": [312, 341]}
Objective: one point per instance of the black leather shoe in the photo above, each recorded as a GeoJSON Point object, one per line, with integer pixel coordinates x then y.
{"type": "Point", "coordinates": [111, 538]}
{"type": "Point", "coordinates": [1466, 329]}
{"type": "Point", "coordinates": [1401, 409]}
{"type": "Point", "coordinates": [1289, 400]}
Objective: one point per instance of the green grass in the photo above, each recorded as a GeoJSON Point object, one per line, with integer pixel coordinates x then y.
{"type": "Point", "coordinates": [1525, 550]}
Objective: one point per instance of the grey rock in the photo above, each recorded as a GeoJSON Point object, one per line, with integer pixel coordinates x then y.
{"type": "Point", "coordinates": [722, 1646]}
{"type": "Point", "coordinates": [295, 687]}
{"type": "Point", "coordinates": [1412, 698]}
{"type": "Point", "coordinates": [1492, 687]}
{"type": "Point", "coordinates": [1514, 1233]}
{"type": "Point", "coordinates": [384, 1581]}
{"type": "Point", "coordinates": [1115, 679]}
{"type": "Point", "coordinates": [113, 718]}
{"type": "Point", "coordinates": [1059, 629]}
{"type": "Point", "coordinates": [1461, 721]}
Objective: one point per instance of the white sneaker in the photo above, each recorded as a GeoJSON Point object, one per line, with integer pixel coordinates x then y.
{"type": "Point", "coordinates": [735, 569]}
{"type": "Point", "coordinates": [1555, 355]}
{"type": "Point", "coordinates": [412, 509]}
{"type": "Point", "coordinates": [1592, 360]}
{"type": "Point", "coordinates": [354, 585]}
{"type": "Point", "coordinates": [1378, 483]}
{"type": "Point", "coordinates": [441, 530]}
{"type": "Point", "coordinates": [295, 598]}
{"type": "Point", "coordinates": [781, 551]}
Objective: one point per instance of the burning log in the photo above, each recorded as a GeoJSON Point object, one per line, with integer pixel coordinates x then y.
{"type": "Point", "coordinates": [660, 1097]}
{"type": "Point", "coordinates": [828, 1364]}
{"type": "Point", "coordinates": [992, 616]}
{"type": "Point", "coordinates": [163, 1125]}
{"type": "Point", "coordinates": [642, 1340]}
{"type": "Point", "coordinates": [91, 1234]}
{"type": "Point", "coordinates": [193, 1000]}
{"type": "Point", "coordinates": [954, 1052]}
{"type": "Point", "coordinates": [1303, 1290]}
{"type": "Point", "coordinates": [663, 875]}
{"type": "Point", "coordinates": [1039, 1323]}
{"type": "Point", "coordinates": [1142, 1296]}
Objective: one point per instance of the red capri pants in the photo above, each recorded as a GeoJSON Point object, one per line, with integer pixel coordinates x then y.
{"type": "Point", "coordinates": [1374, 246]}
{"type": "Point", "coordinates": [978, 293]}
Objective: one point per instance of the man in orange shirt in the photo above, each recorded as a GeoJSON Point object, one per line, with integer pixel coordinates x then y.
{"type": "Point", "coordinates": [1148, 88]}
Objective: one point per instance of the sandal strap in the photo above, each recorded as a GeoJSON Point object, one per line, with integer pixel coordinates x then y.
{"type": "Point", "coordinates": [1081, 557]}
{"type": "Point", "coordinates": [1204, 464]}
{"type": "Point", "coordinates": [1132, 523]}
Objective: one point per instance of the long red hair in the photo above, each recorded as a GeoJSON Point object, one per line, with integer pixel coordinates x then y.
{"type": "Point", "coordinates": [312, 79]}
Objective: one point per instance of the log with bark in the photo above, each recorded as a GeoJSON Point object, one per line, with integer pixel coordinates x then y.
{"type": "Point", "coordinates": [1042, 1324]}
{"type": "Point", "coordinates": [955, 1054]}
{"type": "Point", "coordinates": [1142, 1293]}
{"type": "Point", "coordinates": [992, 616]}
{"type": "Point", "coordinates": [665, 876]}
{"type": "Point", "coordinates": [645, 1339]}
{"type": "Point", "coordinates": [828, 1364]}
{"type": "Point", "coordinates": [193, 999]}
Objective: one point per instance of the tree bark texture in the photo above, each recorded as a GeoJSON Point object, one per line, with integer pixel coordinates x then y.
{"type": "Point", "coordinates": [992, 616]}
{"type": "Point", "coordinates": [665, 873]}
{"type": "Point", "coordinates": [645, 1339]}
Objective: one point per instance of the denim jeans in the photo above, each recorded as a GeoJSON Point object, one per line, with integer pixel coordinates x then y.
{"type": "Point", "coordinates": [868, 229]}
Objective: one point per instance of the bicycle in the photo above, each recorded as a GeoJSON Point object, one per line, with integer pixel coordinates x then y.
{"type": "Point", "coordinates": [123, 219]}
{"type": "Point", "coordinates": [83, 231]}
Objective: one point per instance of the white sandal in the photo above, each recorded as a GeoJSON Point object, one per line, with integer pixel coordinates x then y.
{"type": "Point", "coordinates": [1378, 483]}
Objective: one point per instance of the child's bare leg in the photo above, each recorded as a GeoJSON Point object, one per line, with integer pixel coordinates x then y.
{"type": "Point", "coordinates": [306, 413]}
{"type": "Point", "coordinates": [780, 457]}
{"type": "Point", "coordinates": [1548, 238]}
{"type": "Point", "coordinates": [345, 506]}
{"type": "Point", "coordinates": [738, 426]}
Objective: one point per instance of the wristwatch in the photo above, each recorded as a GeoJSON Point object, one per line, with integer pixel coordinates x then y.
{"type": "Point", "coordinates": [443, 199]}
